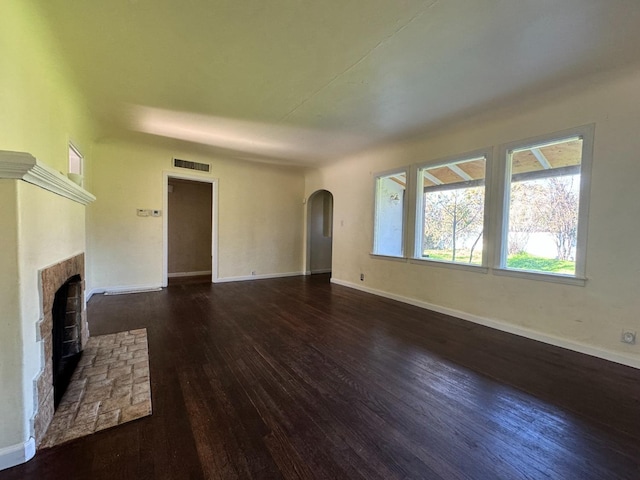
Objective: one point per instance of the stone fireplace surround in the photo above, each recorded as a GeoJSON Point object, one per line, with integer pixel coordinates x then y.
{"type": "Point", "coordinates": [51, 279]}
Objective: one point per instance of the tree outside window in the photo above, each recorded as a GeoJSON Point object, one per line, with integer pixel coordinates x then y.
{"type": "Point", "coordinates": [543, 207]}
{"type": "Point", "coordinates": [453, 211]}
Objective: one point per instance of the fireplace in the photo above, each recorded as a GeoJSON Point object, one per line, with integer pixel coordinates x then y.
{"type": "Point", "coordinates": [43, 236]}
{"type": "Point", "coordinates": [66, 335]}
{"type": "Point", "coordinates": [63, 332]}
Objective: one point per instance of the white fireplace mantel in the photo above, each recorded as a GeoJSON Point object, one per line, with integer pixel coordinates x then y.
{"type": "Point", "coordinates": [24, 166]}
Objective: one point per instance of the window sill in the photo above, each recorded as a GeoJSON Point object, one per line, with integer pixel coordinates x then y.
{"type": "Point", "coordinates": [544, 277]}
{"type": "Point", "coordinates": [456, 266]}
{"type": "Point", "coordinates": [388, 257]}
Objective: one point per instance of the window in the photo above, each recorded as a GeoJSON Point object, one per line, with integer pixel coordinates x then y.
{"type": "Point", "coordinates": [530, 221]}
{"type": "Point", "coordinates": [450, 212]}
{"type": "Point", "coordinates": [389, 217]}
{"type": "Point", "coordinates": [75, 160]}
{"type": "Point", "coordinates": [544, 217]}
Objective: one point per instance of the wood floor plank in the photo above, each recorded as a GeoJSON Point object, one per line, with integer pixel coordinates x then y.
{"type": "Point", "coordinates": [297, 378]}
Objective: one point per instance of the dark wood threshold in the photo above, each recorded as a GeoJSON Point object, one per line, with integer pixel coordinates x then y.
{"type": "Point", "coordinates": [189, 280]}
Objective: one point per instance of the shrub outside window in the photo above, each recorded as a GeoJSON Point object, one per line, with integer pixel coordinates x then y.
{"type": "Point", "coordinates": [451, 211]}
{"type": "Point", "coordinates": [390, 215]}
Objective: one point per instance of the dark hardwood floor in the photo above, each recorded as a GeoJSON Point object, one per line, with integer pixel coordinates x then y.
{"type": "Point", "coordinates": [298, 378]}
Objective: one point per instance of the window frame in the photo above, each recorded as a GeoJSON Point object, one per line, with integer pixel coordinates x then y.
{"type": "Point", "coordinates": [406, 170]}
{"type": "Point", "coordinates": [416, 257]}
{"type": "Point", "coordinates": [586, 133]}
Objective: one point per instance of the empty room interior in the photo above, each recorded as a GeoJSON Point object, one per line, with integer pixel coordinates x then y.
{"type": "Point", "coordinates": [335, 239]}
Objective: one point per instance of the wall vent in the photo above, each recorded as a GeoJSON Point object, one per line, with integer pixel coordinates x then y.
{"type": "Point", "coordinates": [201, 167]}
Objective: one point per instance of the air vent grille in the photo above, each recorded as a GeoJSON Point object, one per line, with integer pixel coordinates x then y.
{"type": "Point", "coordinates": [202, 167]}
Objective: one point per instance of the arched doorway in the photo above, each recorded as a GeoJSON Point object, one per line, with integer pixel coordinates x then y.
{"type": "Point", "coordinates": [319, 232]}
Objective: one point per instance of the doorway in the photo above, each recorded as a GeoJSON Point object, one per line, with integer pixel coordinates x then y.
{"type": "Point", "coordinates": [189, 229]}
{"type": "Point", "coordinates": [319, 232]}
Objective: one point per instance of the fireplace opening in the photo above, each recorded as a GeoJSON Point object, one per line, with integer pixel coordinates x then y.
{"type": "Point", "coordinates": [66, 335]}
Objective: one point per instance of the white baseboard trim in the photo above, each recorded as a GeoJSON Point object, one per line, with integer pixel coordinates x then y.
{"type": "Point", "coordinates": [16, 454]}
{"type": "Point", "coordinates": [121, 290]}
{"type": "Point", "coordinates": [188, 274]}
{"type": "Point", "coordinates": [257, 277]}
{"type": "Point", "coordinates": [89, 293]}
{"type": "Point", "coordinates": [503, 326]}
{"type": "Point", "coordinates": [323, 270]}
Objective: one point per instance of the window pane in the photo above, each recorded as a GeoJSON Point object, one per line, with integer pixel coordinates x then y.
{"type": "Point", "coordinates": [453, 211]}
{"type": "Point", "coordinates": [75, 161]}
{"type": "Point", "coordinates": [544, 197]}
{"type": "Point", "coordinates": [388, 236]}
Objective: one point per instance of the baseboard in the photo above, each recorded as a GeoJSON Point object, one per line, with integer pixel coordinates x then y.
{"type": "Point", "coordinates": [257, 277]}
{"type": "Point", "coordinates": [322, 270]}
{"type": "Point", "coordinates": [503, 326]}
{"type": "Point", "coordinates": [17, 454]}
{"type": "Point", "coordinates": [188, 274]}
{"type": "Point", "coordinates": [121, 290]}
{"type": "Point", "coordinates": [94, 291]}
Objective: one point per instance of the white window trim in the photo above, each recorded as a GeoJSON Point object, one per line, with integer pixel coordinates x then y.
{"type": "Point", "coordinates": [445, 264]}
{"type": "Point", "coordinates": [380, 256]}
{"type": "Point", "coordinates": [418, 219]}
{"type": "Point", "coordinates": [586, 132]}
{"type": "Point", "coordinates": [405, 208]}
{"type": "Point", "coordinates": [541, 276]}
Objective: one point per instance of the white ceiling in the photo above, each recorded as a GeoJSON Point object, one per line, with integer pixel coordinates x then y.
{"type": "Point", "coordinates": [307, 81]}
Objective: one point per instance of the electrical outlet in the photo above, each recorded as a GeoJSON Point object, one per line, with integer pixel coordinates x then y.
{"type": "Point", "coordinates": [142, 212]}
{"type": "Point", "coordinates": [628, 336]}
{"type": "Point", "coordinates": [362, 277]}
{"type": "Point", "coordinates": [253, 272]}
